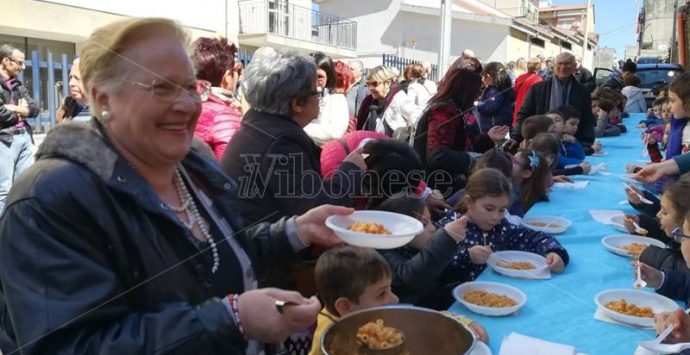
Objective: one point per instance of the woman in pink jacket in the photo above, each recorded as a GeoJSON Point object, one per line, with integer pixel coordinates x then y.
{"type": "Point", "coordinates": [216, 79]}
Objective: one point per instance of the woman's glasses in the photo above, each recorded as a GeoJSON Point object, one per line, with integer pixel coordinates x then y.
{"type": "Point", "coordinates": [169, 91]}
{"type": "Point", "coordinates": [678, 235]}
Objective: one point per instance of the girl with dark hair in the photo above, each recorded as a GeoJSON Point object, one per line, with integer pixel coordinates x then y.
{"type": "Point", "coordinates": [530, 180]}
{"type": "Point", "coordinates": [487, 197]}
{"type": "Point", "coordinates": [495, 107]}
{"type": "Point", "coordinates": [447, 131]}
{"type": "Point", "coordinates": [220, 118]}
{"type": "Point", "coordinates": [334, 117]}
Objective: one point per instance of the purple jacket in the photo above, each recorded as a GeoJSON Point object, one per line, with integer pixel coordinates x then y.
{"type": "Point", "coordinates": [675, 137]}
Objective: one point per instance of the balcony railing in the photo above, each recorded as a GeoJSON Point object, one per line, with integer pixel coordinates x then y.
{"type": "Point", "coordinates": [283, 19]}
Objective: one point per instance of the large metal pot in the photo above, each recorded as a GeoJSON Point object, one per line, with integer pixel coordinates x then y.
{"type": "Point", "coordinates": [426, 332]}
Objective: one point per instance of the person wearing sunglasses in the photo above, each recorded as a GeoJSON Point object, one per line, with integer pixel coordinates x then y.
{"type": "Point", "coordinates": [387, 108]}
{"type": "Point", "coordinates": [16, 105]}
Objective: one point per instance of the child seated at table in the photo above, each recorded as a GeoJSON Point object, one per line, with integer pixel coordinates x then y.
{"type": "Point", "coordinates": [546, 145]}
{"type": "Point", "coordinates": [656, 137]}
{"type": "Point", "coordinates": [530, 181]}
{"type": "Point", "coordinates": [669, 282]}
{"type": "Point", "coordinates": [534, 125]}
{"type": "Point", "coordinates": [416, 266]}
{"type": "Point", "coordinates": [654, 115]}
{"type": "Point", "coordinates": [675, 204]}
{"type": "Point", "coordinates": [603, 109]}
{"type": "Point", "coordinates": [349, 279]}
{"type": "Point", "coordinates": [487, 196]}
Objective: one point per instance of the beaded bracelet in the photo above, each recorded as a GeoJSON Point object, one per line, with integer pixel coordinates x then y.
{"type": "Point", "coordinates": [234, 301]}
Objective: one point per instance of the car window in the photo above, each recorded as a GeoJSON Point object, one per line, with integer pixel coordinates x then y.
{"type": "Point", "coordinates": [653, 77]}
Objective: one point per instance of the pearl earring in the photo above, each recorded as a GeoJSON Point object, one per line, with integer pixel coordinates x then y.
{"type": "Point", "coordinates": [105, 115]}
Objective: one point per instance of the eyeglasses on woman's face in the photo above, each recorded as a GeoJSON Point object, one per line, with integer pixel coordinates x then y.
{"type": "Point", "coordinates": [168, 91]}
{"type": "Point", "coordinates": [678, 235]}
{"type": "Point", "coordinates": [318, 91]}
{"type": "Point", "coordinates": [374, 83]}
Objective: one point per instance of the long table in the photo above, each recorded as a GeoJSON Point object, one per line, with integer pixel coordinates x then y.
{"type": "Point", "coordinates": [562, 308]}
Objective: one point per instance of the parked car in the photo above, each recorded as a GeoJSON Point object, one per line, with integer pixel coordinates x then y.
{"type": "Point", "coordinates": [651, 75]}
{"type": "Point", "coordinates": [649, 60]}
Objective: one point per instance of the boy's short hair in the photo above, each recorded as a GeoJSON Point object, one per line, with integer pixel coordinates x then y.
{"type": "Point", "coordinates": [660, 101]}
{"type": "Point", "coordinates": [346, 271]}
{"type": "Point", "coordinates": [556, 113]}
{"type": "Point", "coordinates": [534, 125]}
{"type": "Point", "coordinates": [569, 111]}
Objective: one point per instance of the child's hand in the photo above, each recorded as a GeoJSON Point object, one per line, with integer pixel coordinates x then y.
{"type": "Point", "coordinates": [633, 196]}
{"type": "Point", "coordinates": [681, 322]}
{"type": "Point", "coordinates": [648, 139]}
{"type": "Point", "coordinates": [597, 147]}
{"type": "Point", "coordinates": [651, 275]}
{"type": "Point", "coordinates": [479, 254]}
{"type": "Point", "coordinates": [479, 332]}
{"type": "Point", "coordinates": [568, 138]}
{"type": "Point", "coordinates": [628, 223]}
{"type": "Point", "coordinates": [562, 178]}
{"type": "Point", "coordinates": [457, 229]}
{"type": "Point", "coordinates": [555, 262]}
{"type": "Point", "coordinates": [586, 167]}
{"type": "Point", "coordinates": [632, 168]}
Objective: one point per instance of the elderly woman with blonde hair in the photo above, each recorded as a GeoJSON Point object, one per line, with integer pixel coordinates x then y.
{"type": "Point", "coordinates": [120, 240]}
{"type": "Point", "coordinates": [387, 108]}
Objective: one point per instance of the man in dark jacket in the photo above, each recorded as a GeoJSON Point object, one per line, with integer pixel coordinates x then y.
{"type": "Point", "coordinates": [561, 89]}
{"type": "Point", "coordinates": [16, 146]}
{"type": "Point", "coordinates": [584, 76]}
{"type": "Point", "coordinates": [617, 82]}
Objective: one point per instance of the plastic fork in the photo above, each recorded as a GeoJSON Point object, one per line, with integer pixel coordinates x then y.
{"type": "Point", "coordinates": [658, 348]}
{"type": "Point", "coordinates": [639, 283]}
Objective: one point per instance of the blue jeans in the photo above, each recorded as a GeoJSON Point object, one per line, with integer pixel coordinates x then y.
{"type": "Point", "coordinates": [13, 161]}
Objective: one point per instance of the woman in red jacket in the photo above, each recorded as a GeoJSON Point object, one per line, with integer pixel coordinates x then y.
{"type": "Point", "coordinates": [524, 82]}
{"type": "Point", "coordinates": [214, 60]}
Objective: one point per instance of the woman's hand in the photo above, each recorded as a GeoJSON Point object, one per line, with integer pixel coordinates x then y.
{"type": "Point", "coordinates": [436, 203]}
{"type": "Point", "coordinates": [652, 276]}
{"type": "Point", "coordinates": [498, 133]}
{"type": "Point", "coordinates": [261, 320]}
{"type": "Point", "coordinates": [356, 158]}
{"type": "Point", "coordinates": [656, 171]}
{"type": "Point", "coordinates": [311, 226]}
{"type": "Point", "coordinates": [479, 254]}
{"type": "Point", "coordinates": [680, 322]}
{"type": "Point", "coordinates": [457, 229]}
{"type": "Point", "coordinates": [555, 262]}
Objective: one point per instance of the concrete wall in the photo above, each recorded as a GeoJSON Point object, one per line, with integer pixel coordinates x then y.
{"type": "Point", "coordinates": [658, 25]}
{"type": "Point", "coordinates": [383, 28]}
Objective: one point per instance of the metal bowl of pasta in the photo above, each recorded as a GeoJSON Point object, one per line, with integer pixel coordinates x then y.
{"type": "Point", "coordinates": [397, 330]}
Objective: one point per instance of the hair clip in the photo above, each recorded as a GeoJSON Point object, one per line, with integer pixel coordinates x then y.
{"type": "Point", "coordinates": [533, 160]}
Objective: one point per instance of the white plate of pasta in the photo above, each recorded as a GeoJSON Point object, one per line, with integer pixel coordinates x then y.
{"type": "Point", "coordinates": [633, 307]}
{"type": "Point", "coordinates": [375, 229]}
{"type": "Point", "coordinates": [490, 298]}
{"type": "Point", "coordinates": [629, 245]}
{"type": "Point", "coordinates": [516, 263]}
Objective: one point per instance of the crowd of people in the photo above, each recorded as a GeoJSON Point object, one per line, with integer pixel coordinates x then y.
{"type": "Point", "coordinates": [184, 194]}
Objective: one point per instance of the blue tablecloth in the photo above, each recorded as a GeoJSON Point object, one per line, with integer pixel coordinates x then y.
{"type": "Point", "coordinates": [562, 308]}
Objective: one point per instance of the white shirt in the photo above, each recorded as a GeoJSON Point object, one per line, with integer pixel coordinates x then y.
{"type": "Point", "coordinates": [333, 119]}
{"type": "Point", "coordinates": [420, 94]}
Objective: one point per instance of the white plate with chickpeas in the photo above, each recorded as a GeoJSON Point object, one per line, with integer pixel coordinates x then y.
{"type": "Point", "coordinates": [375, 229]}
{"type": "Point", "coordinates": [629, 245]}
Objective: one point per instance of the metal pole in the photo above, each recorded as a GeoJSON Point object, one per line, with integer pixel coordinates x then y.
{"type": "Point", "coordinates": [585, 41]}
{"type": "Point", "coordinates": [673, 34]}
{"type": "Point", "coordinates": [446, 27]}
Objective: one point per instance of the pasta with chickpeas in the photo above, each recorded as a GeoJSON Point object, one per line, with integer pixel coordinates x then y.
{"type": "Point", "coordinates": [376, 336]}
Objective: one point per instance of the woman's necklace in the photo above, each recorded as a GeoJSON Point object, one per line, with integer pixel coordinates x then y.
{"type": "Point", "coordinates": [189, 208]}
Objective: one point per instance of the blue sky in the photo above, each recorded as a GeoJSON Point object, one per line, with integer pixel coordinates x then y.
{"type": "Point", "coordinates": [615, 21]}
